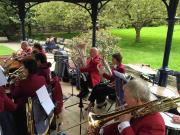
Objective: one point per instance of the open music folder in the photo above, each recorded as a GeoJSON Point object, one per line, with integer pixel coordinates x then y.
{"type": "Point", "coordinates": [45, 99]}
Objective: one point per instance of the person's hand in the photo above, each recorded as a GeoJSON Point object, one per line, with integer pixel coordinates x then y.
{"type": "Point", "coordinates": [125, 117]}
{"type": "Point", "coordinates": [176, 119]}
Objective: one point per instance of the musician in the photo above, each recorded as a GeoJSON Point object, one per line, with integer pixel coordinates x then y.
{"type": "Point", "coordinates": [136, 92]}
{"type": "Point", "coordinates": [6, 104]}
{"type": "Point", "coordinates": [101, 91]}
{"type": "Point", "coordinates": [91, 69]}
{"type": "Point", "coordinates": [38, 48]}
{"type": "Point", "coordinates": [23, 89]}
{"type": "Point", "coordinates": [43, 66]}
{"type": "Point", "coordinates": [25, 49]}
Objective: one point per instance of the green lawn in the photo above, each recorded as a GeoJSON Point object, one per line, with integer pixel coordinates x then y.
{"type": "Point", "coordinates": [5, 50]}
{"type": "Point", "coordinates": [151, 48]}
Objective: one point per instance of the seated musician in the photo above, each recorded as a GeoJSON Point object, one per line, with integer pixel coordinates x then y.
{"type": "Point", "coordinates": [6, 104]}
{"type": "Point", "coordinates": [23, 89]}
{"type": "Point", "coordinates": [37, 48]}
{"type": "Point", "coordinates": [136, 93]}
{"type": "Point", "coordinates": [101, 91]}
{"type": "Point", "coordinates": [25, 49]}
{"type": "Point", "coordinates": [91, 69]}
{"type": "Point", "coordinates": [43, 66]}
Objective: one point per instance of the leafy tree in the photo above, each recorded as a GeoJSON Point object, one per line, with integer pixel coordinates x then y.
{"type": "Point", "coordinates": [63, 14]}
{"type": "Point", "coordinates": [8, 19]}
{"type": "Point", "coordinates": [139, 13]}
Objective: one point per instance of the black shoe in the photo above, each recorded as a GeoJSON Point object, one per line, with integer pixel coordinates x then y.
{"type": "Point", "coordinates": [83, 94]}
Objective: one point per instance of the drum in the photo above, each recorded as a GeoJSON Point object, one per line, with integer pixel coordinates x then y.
{"type": "Point", "coordinates": [171, 128]}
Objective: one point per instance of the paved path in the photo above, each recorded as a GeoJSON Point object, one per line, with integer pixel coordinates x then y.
{"type": "Point", "coordinates": [12, 45]}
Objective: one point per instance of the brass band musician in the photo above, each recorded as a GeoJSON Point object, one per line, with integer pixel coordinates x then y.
{"type": "Point", "coordinates": [102, 90]}
{"type": "Point", "coordinates": [136, 93]}
{"type": "Point", "coordinates": [91, 69]}
{"type": "Point", "coordinates": [25, 49]}
{"type": "Point", "coordinates": [23, 89]}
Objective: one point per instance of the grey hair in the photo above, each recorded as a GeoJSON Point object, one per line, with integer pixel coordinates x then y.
{"type": "Point", "coordinates": [24, 42]}
{"type": "Point", "coordinates": [138, 89]}
{"type": "Point", "coordinates": [95, 48]}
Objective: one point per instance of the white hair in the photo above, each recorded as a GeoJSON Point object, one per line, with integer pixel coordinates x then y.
{"type": "Point", "coordinates": [24, 43]}
{"type": "Point", "coordinates": [138, 89]}
{"type": "Point", "coordinates": [95, 48]}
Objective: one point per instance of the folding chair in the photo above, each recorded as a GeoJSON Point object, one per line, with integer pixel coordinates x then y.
{"type": "Point", "coordinates": [119, 92]}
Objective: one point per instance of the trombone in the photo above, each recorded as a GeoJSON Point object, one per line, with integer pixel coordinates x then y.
{"type": "Point", "coordinates": [159, 105]}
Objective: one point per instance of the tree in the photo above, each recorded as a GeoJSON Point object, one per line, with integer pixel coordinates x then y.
{"type": "Point", "coordinates": [139, 13]}
{"type": "Point", "coordinates": [8, 19]}
{"type": "Point", "coordinates": [61, 14]}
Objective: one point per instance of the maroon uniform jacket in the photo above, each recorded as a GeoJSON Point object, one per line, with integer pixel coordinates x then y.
{"type": "Point", "coordinates": [6, 104]}
{"type": "Point", "coordinates": [91, 68]}
{"type": "Point", "coordinates": [44, 70]}
{"type": "Point", "coordinates": [57, 95]}
{"type": "Point", "coordinates": [26, 88]}
{"type": "Point", "coordinates": [120, 68]}
{"type": "Point", "coordinates": [152, 124]}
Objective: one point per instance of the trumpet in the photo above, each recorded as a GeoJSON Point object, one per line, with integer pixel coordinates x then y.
{"type": "Point", "coordinates": [160, 105]}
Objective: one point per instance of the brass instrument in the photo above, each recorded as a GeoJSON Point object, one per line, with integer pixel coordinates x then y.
{"type": "Point", "coordinates": [14, 62]}
{"type": "Point", "coordinates": [105, 67]}
{"type": "Point", "coordinates": [18, 74]}
{"type": "Point", "coordinates": [29, 117]}
{"type": "Point", "coordinates": [78, 55]}
{"type": "Point", "coordinates": [161, 105]}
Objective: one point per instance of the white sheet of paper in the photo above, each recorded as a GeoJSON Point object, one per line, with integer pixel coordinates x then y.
{"type": "Point", "coordinates": [45, 99]}
{"type": "Point", "coordinates": [3, 79]}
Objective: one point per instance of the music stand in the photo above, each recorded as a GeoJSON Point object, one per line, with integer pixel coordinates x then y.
{"type": "Point", "coordinates": [80, 103]}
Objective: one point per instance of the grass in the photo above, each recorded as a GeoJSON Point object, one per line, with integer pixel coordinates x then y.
{"type": "Point", "coordinates": [151, 48]}
{"type": "Point", "coordinates": [5, 50]}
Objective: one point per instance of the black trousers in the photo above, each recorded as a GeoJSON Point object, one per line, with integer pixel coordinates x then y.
{"type": "Point", "coordinates": [20, 121]}
{"type": "Point", "coordinates": [100, 92]}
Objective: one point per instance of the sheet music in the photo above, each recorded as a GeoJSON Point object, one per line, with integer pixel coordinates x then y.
{"type": "Point", "coordinates": [45, 99]}
{"type": "Point", "coordinates": [3, 79]}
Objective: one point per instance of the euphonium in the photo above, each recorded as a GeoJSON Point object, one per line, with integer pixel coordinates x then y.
{"type": "Point", "coordinates": [161, 105]}
{"type": "Point", "coordinates": [78, 54]}
{"type": "Point", "coordinates": [106, 66]}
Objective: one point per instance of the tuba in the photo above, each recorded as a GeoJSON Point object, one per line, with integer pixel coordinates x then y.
{"type": "Point", "coordinates": [159, 105]}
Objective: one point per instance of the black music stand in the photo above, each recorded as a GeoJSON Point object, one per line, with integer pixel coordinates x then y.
{"type": "Point", "coordinates": [80, 103]}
